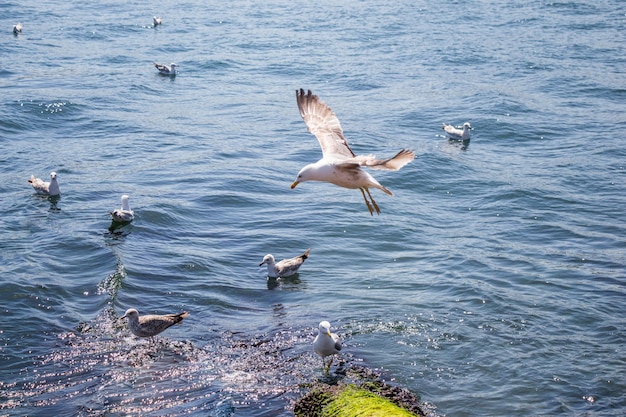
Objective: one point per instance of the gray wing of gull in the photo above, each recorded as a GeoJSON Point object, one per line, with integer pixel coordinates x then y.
{"type": "Point", "coordinates": [288, 267]}
{"type": "Point", "coordinates": [452, 131]}
{"type": "Point", "coordinates": [337, 341]}
{"type": "Point", "coordinates": [155, 324]}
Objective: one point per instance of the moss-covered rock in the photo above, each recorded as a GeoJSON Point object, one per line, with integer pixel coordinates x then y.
{"type": "Point", "coordinates": [365, 395]}
{"type": "Point", "coordinates": [356, 402]}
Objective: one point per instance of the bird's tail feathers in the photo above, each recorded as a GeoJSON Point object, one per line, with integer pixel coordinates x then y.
{"type": "Point", "coordinates": [385, 190]}
{"type": "Point", "coordinates": [180, 316]}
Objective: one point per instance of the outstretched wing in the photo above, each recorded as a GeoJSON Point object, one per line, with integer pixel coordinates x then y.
{"type": "Point", "coordinates": [322, 122]}
{"type": "Point", "coordinates": [394, 163]}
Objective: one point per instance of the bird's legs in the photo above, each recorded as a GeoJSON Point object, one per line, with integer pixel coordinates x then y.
{"type": "Point", "coordinates": [326, 367]}
{"type": "Point", "coordinates": [373, 206]}
{"type": "Point", "coordinates": [373, 201]}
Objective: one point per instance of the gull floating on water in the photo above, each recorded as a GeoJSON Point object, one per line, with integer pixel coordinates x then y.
{"type": "Point", "coordinates": [17, 28]}
{"type": "Point", "coordinates": [458, 134]}
{"type": "Point", "coordinates": [124, 214]}
{"type": "Point", "coordinates": [152, 324]}
{"type": "Point", "coordinates": [339, 165]}
{"type": "Point", "coordinates": [326, 344]}
{"type": "Point", "coordinates": [44, 187]}
{"type": "Point", "coordinates": [165, 70]}
{"type": "Point", "coordinates": [157, 20]}
{"type": "Point", "coordinates": [284, 268]}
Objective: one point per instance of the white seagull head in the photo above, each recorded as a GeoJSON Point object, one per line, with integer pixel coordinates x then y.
{"type": "Point", "coordinates": [307, 173]}
{"type": "Point", "coordinates": [325, 328]}
{"type": "Point", "coordinates": [125, 205]}
{"type": "Point", "coordinates": [268, 259]}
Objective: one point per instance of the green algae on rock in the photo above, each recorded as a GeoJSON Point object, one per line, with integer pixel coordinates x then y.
{"type": "Point", "coordinates": [366, 396]}
{"type": "Point", "coordinates": [353, 402]}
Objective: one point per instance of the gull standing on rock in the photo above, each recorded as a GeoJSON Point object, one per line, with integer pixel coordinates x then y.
{"type": "Point", "coordinates": [457, 134]}
{"type": "Point", "coordinates": [326, 344]}
{"type": "Point", "coordinates": [339, 165]}
{"type": "Point", "coordinates": [284, 268]}
{"type": "Point", "coordinates": [44, 187]}
{"type": "Point", "coordinates": [152, 324]}
{"type": "Point", "coordinates": [165, 70]}
{"type": "Point", "coordinates": [124, 214]}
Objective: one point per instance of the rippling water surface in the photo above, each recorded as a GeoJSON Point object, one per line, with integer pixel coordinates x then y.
{"type": "Point", "coordinates": [492, 283]}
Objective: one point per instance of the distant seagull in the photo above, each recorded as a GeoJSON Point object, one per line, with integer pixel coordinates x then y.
{"type": "Point", "coordinates": [284, 268]}
{"type": "Point", "coordinates": [326, 344]}
{"type": "Point", "coordinates": [458, 134]}
{"type": "Point", "coordinates": [157, 20]}
{"type": "Point", "coordinates": [165, 70]}
{"type": "Point", "coordinates": [17, 29]}
{"type": "Point", "coordinates": [47, 188]}
{"type": "Point", "coordinates": [124, 214]}
{"type": "Point", "coordinates": [151, 325]}
{"type": "Point", "coordinates": [339, 165]}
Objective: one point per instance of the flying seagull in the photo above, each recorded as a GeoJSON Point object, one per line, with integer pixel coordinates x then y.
{"type": "Point", "coordinates": [339, 165]}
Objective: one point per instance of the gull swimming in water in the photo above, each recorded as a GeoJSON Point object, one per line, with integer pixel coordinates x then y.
{"type": "Point", "coordinates": [339, 165]}
{"type": "Point", "coordinates": [457, 134]}
{"type": "Point", "coordinates": [286, 267]}
{"type": "Point", "coordinates": [124, 214]}
{"type": "Point", "coordinates": [17, 29]}
{"type": "Point", "coordinates": [326, 344]}
{"type": "Point", "coordinates": [44, 187]}
{"type": "Point", "coordinates": [165, 70]}
{"type": "Point", "coordinates": [157, 20]}
{"type": "Point", "coordinates": [152, 324]}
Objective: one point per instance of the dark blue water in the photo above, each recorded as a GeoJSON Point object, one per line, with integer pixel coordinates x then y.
{"type": "Point", "coordinates": [492, 283]}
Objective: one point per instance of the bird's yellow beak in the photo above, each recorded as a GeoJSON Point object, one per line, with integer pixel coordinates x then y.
{"type": "Point", "coordinates": [293, 185]}
{"type": "Point", "coordinates": [329, 333]}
